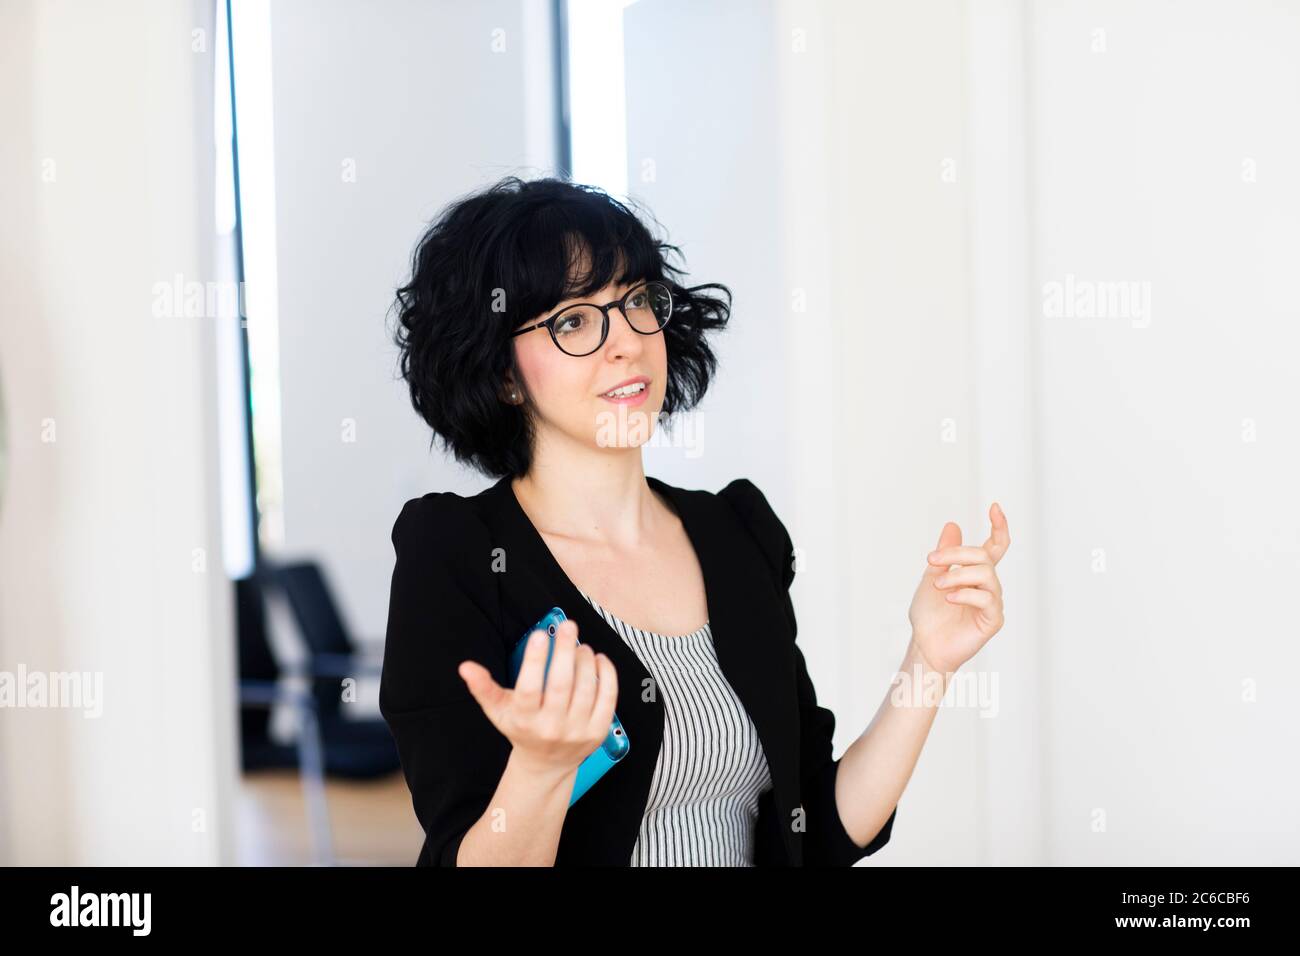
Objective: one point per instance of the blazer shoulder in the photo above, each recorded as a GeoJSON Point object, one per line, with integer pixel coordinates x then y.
{"type": "Point", "coordinates": [768, 531]}
{"type": "Point", "coordinates": [444, 604]}
{"type": "Point", "coordinates": [431, 510]}
{"type": "Point", "coordinates": [440, 524]}
{"type": "Point", "coordinates": [442, 545]}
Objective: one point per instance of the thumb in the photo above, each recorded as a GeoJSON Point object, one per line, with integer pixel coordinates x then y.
{"type": "Point", "coordinates": [489, 694]}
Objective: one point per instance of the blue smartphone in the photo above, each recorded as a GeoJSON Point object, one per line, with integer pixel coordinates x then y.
{"type": "Point", "coordinates": [616, 743]}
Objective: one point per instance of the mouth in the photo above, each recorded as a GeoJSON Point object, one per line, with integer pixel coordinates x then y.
{"type": "Point", "coordinates": [631, 392]}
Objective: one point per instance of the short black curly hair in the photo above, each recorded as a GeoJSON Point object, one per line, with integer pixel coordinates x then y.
{"type": "Point", "coordinates": [497, 257]}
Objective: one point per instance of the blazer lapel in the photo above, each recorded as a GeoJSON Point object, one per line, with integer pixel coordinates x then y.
{"type": "Point", "coordinates": [608, 817]}
{"type": "Point", "coordinates": [747, 628]}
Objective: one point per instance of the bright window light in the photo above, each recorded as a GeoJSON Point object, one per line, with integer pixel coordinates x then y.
{"type": "Point", "coordinates": [597, 94]}
{"type": "Point", "coordinates": [251, 31]}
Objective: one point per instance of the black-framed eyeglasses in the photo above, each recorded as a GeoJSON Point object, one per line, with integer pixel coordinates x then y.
{"type": "Point", "coordinates": [582, 328]}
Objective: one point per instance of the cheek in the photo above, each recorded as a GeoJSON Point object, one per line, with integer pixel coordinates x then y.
{"type": "Point", "coordinates": [553, 379]}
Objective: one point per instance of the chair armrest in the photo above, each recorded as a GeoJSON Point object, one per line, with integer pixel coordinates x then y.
{"type": "Point", "coordinates": [336, 665]}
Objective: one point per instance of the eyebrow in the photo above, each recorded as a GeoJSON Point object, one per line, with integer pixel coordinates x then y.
{"type": "Point", "coordinates": [565, 303]}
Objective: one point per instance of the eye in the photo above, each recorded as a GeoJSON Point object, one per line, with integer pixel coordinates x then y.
{"type": "Point", "coordinates": [571, 322]}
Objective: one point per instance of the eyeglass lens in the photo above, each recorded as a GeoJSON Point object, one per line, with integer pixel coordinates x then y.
{"type": "Point", "coordinates": [578, 329]}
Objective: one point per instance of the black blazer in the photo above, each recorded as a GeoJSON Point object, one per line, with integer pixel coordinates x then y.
{"type": "Point", "coordinates": [473, 574]}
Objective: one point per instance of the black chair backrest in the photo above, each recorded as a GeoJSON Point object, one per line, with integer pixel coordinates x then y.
{"type": "Point", "coordinates": [313, 607]}
{"type": "Point", "coordinates": [256, 659]}
{"type": "Point", "coordinates": [319, 622]}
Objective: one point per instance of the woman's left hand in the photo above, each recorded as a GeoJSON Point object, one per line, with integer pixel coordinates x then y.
{"type": "Point", "coordinates": [956, 610]}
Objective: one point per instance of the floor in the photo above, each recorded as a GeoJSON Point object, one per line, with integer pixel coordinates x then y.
{"type": "Point", "coordinates": [371, 822]}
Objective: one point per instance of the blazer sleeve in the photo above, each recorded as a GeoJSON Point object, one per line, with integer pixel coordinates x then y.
{"type": "Point", "coordinates": [826, 842]}
{"type": "Point", "coordinates": [443, 608]}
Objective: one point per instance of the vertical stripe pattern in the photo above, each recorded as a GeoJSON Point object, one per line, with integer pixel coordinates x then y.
{"type": "Point", "coordinates": [711, 769]}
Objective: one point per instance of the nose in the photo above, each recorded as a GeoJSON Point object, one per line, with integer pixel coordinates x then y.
{"type": "Point", "coordinates": [622, 339]}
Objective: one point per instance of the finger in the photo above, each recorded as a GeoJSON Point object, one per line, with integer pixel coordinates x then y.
{"type": "Point", "coordinates": [975, 597]}
{"type": "Point", "coordinates": [532, 671]}
{"type": "Point", "coordinates": [602, 714]}
{"type": "Point", "coordinates": [559, 678]}
{"type": "Point", "coordinates": [945, 557]}
{"type": "Point", "coordinates": [949, 537]}
{"type": "Point", "coordinates": [584, 683]}
{"type": "Point", "coordinates": [999, 538]}
{"type": "Point", "coordinates": [970, 575]}
{"type": "Point", "coordinates": [489, 694]}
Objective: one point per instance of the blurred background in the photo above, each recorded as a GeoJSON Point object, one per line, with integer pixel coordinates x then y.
{"type": "Point", "coordinates": [1042, 253]}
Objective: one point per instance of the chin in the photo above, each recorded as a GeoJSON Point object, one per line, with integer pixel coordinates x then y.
{"type": "Point", "coordinates": [618, 426]}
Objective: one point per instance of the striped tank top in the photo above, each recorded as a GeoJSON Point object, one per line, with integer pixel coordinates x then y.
{"type": "Point", "coordinates": [711, 770]}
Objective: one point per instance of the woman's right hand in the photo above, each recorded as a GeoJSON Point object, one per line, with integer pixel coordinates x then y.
{"type": "Point", "coordinates": [555, 729]}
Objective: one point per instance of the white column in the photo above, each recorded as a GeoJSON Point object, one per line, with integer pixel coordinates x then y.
{"type": "Point", "coordinates": [110, 553]}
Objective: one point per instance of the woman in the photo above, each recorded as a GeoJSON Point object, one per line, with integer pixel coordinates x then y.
{"type": "Point", "coordinates": [542, 333]}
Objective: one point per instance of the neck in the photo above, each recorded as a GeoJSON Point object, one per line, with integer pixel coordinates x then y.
{"type": "Point", "coordinates": [596, 495]}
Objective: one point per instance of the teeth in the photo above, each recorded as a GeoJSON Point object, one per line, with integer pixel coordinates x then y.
{"type": "Point", "coordinates": [626, 390]}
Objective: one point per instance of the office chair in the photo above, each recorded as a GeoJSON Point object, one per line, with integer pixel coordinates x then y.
{"type": "Point", "coordinates": [359, 749]}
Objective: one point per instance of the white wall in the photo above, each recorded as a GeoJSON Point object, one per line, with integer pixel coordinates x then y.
{"type": "Point", "coordinates": [888, 187]}
{"type": "Point", "coordinates": [107, 160]}
{"type": "Point", "coordinates": [765, 125]}
{"type": "Point", "coordinates": [427, 101]}
{"type": "Point", "coordinates": [1138, 155]}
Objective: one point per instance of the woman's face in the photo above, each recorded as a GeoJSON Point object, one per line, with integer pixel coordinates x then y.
{"type": "Point", "coordinates": [568, 392]}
